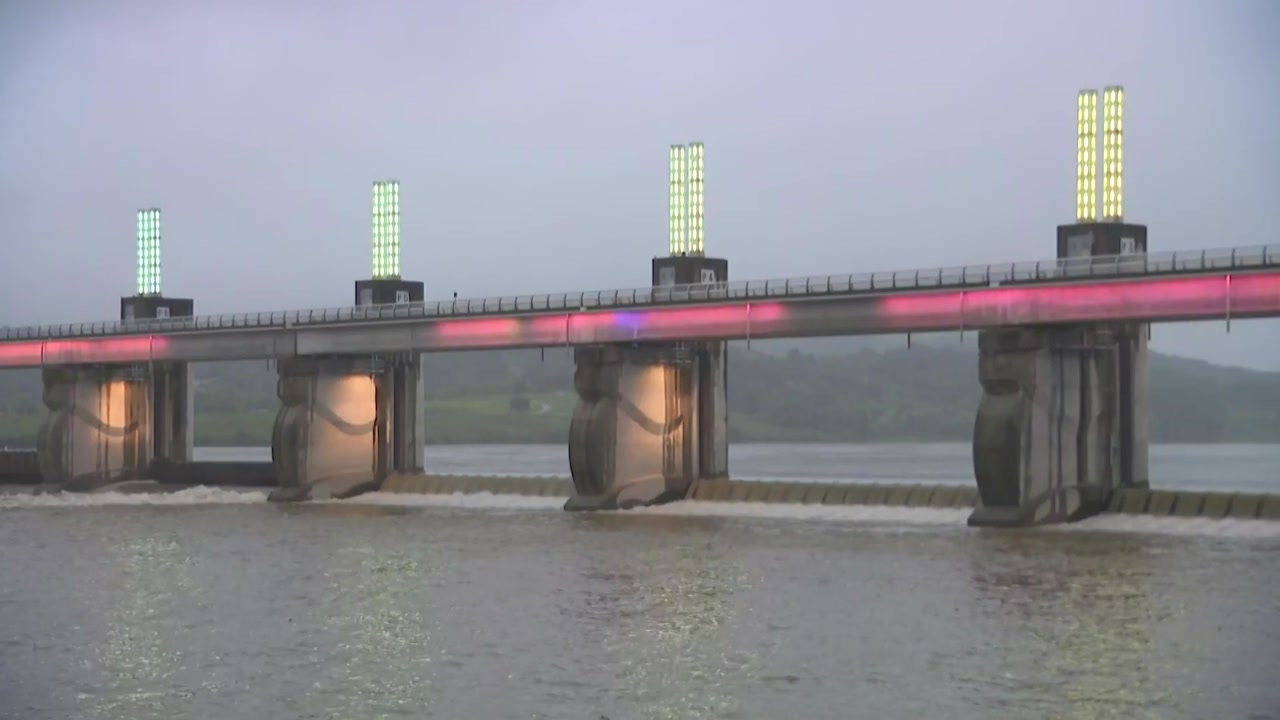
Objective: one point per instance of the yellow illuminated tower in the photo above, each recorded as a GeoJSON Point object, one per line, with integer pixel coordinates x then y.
{"type": "Point", "coordinates": [687, 263]}
{"type": "Point", "coordinates": [679, 203]}
{"type": "Point", "coordinates": [688, 165]}
{"type": "Point", "coordinates": [1105, 234]}
{"type": "Point", "coordinates": [694, 244]}
{"type": "Point", "coordinates": [1113, 154]}
{"type": "Point", "coordinates": [1104, 243]}
{"type": "Point", "coordinates": [1087, 156]}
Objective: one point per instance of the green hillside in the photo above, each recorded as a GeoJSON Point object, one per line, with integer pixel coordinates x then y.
{"type": "Point", "coordinates": [871, 394]}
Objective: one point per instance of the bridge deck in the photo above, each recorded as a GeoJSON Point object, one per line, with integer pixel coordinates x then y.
{"type": "Point", "coordinates": [1170, 287]}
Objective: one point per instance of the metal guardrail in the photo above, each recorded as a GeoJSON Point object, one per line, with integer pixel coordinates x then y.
{"type": "Point", "coordinates": [1040, 271]}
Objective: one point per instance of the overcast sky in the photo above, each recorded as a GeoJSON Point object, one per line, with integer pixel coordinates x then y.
{"type": "Point", "coordinates": [530, 140]}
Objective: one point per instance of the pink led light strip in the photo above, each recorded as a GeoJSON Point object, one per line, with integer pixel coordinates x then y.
{"type": "Point", "coordinates": [1150, 300]}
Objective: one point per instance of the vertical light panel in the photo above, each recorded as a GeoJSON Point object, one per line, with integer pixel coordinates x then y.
{"type": "Point", "coordinates": [1113, 153]}
{"type": "Point", "coordinates": [678, 200]}
{"type": "Point", "coordinates": [696, 176]}
{"type": "Point", "coordinates": [386, 229]}
{"type": "Point", "coordinates": [1087, 156]}
{"type": "Point", "coordinates": [149, 251]}
{"type": "Point", "coordinates": [377, 228]}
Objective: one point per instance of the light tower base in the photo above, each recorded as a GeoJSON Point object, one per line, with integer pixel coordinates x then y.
{"type": "Point", "coordinates": [689, 270]}
{"type": "Point", "coordinates": [1101, 239]}
{"type": "Point", "coordinates": [388, 291]}
{"type": "Point", "coordinates": [152, 307]}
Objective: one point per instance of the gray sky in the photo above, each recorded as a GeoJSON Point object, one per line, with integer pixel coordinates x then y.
{"type": "Point", "coordinates": [530, 140]}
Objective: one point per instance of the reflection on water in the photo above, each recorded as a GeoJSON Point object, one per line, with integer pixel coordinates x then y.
{"type": "Point", "coordinates": [665, 614]}
{"type": "Point", "coordinates": [343, 610]}
{"type": "Point", "coordinates": [1083, 617]}
{"type": "Point", "coordinates": [1228, 468]}
{"type": "Point", "coordinates": [376, 607]}
{"type": "Point", "coordinates": [144, 641]}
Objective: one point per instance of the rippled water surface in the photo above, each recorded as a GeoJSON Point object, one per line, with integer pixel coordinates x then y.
{"type": "Point", "coordinates": [215, 604]}
{"type": "Point", "coordinates": [1231, 468]}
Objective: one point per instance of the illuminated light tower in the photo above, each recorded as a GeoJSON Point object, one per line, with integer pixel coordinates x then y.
{"type": "Point", "coordinates": [687, 263]}
{"type": "Point", "coordinates": [694, 243]}
{"type": "Point", "coordinates": [1113, 154]}
{"type": "Point", "coordinates": [162, 392]}
{"type": "Point", "coordinates": [1088, 236]}
{"type": "Point", "coordinates": [679, 165]}
{"type": "Point", "coordinates": [1105, 239]}
{"type": "Point", "coordinates": [385, 286]}
{"type": "Point", "coordinates": [149, 303]}
{"type": "Point", "coordinates": [397, 387]}
{"type": "Point", "coordinates": [1087, 156]}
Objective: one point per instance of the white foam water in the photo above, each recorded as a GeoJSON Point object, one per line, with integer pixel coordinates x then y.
{"type": "Point", "coordinates": [821, 513]}
{"type": "Point", "coordinates": [475, 501]}
{"type": "Point", "coordinates": [871, 514]}
{"type": "Point", "coordinates": [686, 508]}
{"type": "Point", "coordinates": [199, 495]}
{"type": "Point", "coordinates": [1191, 526]}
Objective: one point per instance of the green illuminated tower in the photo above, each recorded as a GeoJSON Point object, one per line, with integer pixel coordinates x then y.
{"type": "Point", "coordinates": [149, 302]}
{"type": "Point", "coordinates": [385, 286]}
{"type": "Point", "coordinates": [164, 388]}
{"type": "Point", "coordinates": [386, 229]}
{"type": "Point", "coordinates": [149, 251]}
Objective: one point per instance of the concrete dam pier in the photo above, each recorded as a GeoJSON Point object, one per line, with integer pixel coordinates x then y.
{"type": "Point", "coordinates": [107, 424]}
{"type": "Point", "coordinates": [345, 424]}
{"type": "Point", "coordinates": [649, 421]}
{"type": "Point", "coordinates": [1062, 423]}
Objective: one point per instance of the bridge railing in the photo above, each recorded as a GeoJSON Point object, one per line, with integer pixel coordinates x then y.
{"type": "Point", "coordinates": [1040, 271]}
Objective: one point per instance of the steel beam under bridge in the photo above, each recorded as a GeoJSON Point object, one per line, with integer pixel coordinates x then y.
{"type": "Point", "coordinates": [1154, 299]}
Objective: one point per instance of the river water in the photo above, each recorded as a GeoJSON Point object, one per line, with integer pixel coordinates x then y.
{"type": "Point", "coordinates": [215, 604]}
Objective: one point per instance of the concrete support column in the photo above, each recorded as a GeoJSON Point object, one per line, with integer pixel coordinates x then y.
{"type": "Point", "coordinates": [649, 420]}
{"type": "Point", "coordinates": [98, 428]}
{"type": "Point", "coordinates": [401, 421]}
{"type": "Point", "coordinates": [1135, 404]}
{"type": "Point", "coordinates": [713, 411]}
{"type": "Point", "coordinates": [345, 423]}
{"type": "Point", "coordinates": [1061, 423]}
{"type": "Point", "coordinates": [172, 412]}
